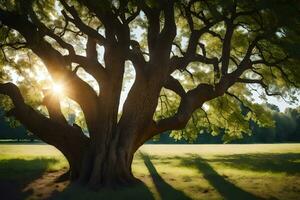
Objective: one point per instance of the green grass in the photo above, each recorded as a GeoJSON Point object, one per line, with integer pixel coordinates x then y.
{"type": "Point", "coordinates": [260, 171]}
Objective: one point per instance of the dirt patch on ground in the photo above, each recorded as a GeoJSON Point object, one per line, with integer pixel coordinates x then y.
{"type": "Point", "coordinates": [45, 186]}
{"type": "Point", "coordinates": [41, 188]}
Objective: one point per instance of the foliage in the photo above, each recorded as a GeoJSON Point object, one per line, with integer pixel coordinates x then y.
{"type": "Point", "coordinates": [286, 129]}
{"type": "Point", "coordinates": [276, 57]}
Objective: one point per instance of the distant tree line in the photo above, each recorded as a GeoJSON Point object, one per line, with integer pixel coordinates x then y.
{"type": "Point", "coordinates": [287, 129]}
{"type": "Point", "coordinates": [11, 130]}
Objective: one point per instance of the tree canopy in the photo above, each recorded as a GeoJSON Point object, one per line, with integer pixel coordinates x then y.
{"type": "Point", "coordinates": [195, 65]}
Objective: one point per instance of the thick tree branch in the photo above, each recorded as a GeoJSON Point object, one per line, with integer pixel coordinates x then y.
{"type": "Point", "coordinates": [46, 129]}
{"type": "Point", "coordinates": [46, 31]}
{"type": "Point", "coordinates": [115, 30]}
{"type": "Point", "coordinates": [91, 66]}
{"type": "Point", "coordinates": [191, 101]}
{"type": "Point", "coordinates": [152, 15]}
{"type": "Point", "coordinates": [91, 49]}
{"type": "Point", "coordinates": [190, 55]}
{"type": "Point", "coordinates": [56, 64]}
{"type": "Point", "coordinates": [14, 93]}
{"type": "Point", "coordinates": [52, 103]}
{"type": "Point", "coordinates": [227, 46]}
{"type": "Point", "coordinates": [168, 31]}
{"type": "Point", "coordinates": [133, 16]}
{"type": "Point", "coordinates": [135, 55]}
{"type": "Point", "coordinates": [195, 98]}
{"type": "Point", "coordinates": [81, 25]}
{"type": "Point", "coordinates": [174, 85]}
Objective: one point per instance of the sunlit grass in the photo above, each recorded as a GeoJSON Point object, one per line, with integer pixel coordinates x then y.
{"type": "Point", "coordinates": [179, 171]}
{"type": "Point", "coordinates": [34, 153]}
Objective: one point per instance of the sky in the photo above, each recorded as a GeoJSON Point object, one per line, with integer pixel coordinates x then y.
{"type": "Point", "coordinates": [281, 103]}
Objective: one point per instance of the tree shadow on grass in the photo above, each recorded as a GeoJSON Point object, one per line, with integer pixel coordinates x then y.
{"type": "Point", "coordinates": [288, 163]}
{"type": "Point", "coordinates": [16, 174]}
{"type": "Point", "coordinates": [165, 190]}
{"type": "Point", "coordinates": [21, 179]}
{"type": "Point", "coordinates": [227, 189]}
{"type": "Point", "coordinates": [75, 191]}
{"type": "Point", "coordinates": [140, 191]}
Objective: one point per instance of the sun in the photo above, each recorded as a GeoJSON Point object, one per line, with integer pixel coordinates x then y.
{"type": "Point", "coordinates": [58, 89]}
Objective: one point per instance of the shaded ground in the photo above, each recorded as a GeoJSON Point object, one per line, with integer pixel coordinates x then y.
{"type": "Point", "coordinates": [27, 178]}
{"type": "Point", "coordinates": [168, 172]}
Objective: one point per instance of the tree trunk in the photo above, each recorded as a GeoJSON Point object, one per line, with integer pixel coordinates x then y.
{"type": "Point", "coordinates": [107, 168]}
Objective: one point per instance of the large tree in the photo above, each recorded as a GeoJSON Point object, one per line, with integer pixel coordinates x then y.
{"type": "Point", "coordinates": [187, 52]}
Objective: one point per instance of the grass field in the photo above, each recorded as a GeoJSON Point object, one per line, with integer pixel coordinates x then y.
{"type": "Point", "coordinates": [235, 172]}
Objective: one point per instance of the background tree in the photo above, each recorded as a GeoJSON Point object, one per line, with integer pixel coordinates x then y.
{"type": "Point", "coordinates": [11, 130]}
{"type": "Point", "coordinates": [223, 47]}
{"type": "Point", "coordinates": [286, 129]}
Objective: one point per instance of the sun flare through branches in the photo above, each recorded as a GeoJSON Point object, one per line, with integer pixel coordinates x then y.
{"type": "Point", "coordinates": [58, 89]}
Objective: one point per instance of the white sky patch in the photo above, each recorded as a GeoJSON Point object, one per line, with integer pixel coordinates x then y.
{"type": "Point", "coordinates": [127, 84]}
{"type": "Point", "coordinates": [52, 17]}
{"type": "Point", "coordinates": [137, 33]}
{"type": "Point", "coordinates": [100, 55]}
{"type": "Point", "coordinates": [57, 7]}
{"type": "Point", "coordinates": [205, 107]}
{"type": "Point", "coordinates": [276, 100]}
{"type": "Point", "coordinates": [184, 41]}
{"type": "Point", "coordinates": [67, 103]}
{"type": "Point", "coordinates": [13, 74]}
{"type": "Point", "coordinates": [16, 58]}
{"type": "Point", "coordinates": [89, 79]}
{"type": "Point", "coordinates": [41, 73]}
